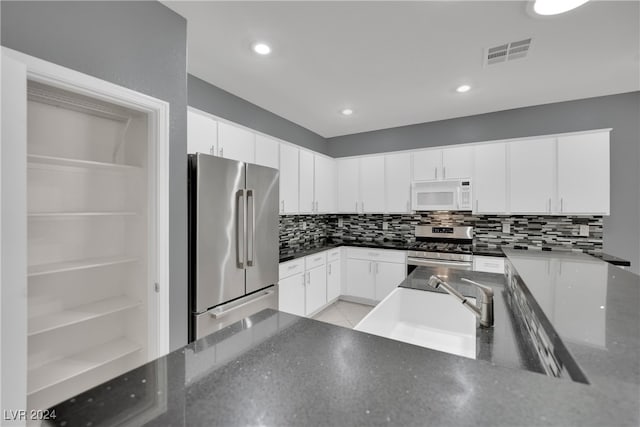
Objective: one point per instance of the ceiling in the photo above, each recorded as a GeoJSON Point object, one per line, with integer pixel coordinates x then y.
{"type": "Point", "coordinates": [399, 63]}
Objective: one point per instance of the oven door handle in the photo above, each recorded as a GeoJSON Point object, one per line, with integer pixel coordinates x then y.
{"type": "Point", "coordinates": [431, 263]}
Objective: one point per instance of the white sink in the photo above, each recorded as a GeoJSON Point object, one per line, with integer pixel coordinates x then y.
{"type": "Point", "coordinates": [428, 319]}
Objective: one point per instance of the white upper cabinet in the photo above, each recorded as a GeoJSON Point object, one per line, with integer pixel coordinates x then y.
{"type": "Point", "coordinates": [532, 175]}
{"type": "Point", "coordinates": [325, 184]}
{"type": "Point", "coordinates": [202, 133]}
{"type": "Point", "coordinates": [307, 199]}
{"type": "Point", "coordinates": [490, 178]}
{"type": "Point", "coordinates": [398, 182]}
{"type": "Point", "coordinates": [427, 165]}
{"type": "Point", "coordinates": [583, 173]}
{"type": "Point", "coordinates": [457, 162]}
{"type": "Point", "coordinates": [236, 143]}
{"type": "Point", "coordinates": [372, 184]}
{"type": "Point", "coordinates": [348, 185]}
{"type": "Point", "coordinates": [445, 163]}
{"type": "Point", "coordinates": [289, 167]}
{"type": "Point", "coordinates": [267, 151]}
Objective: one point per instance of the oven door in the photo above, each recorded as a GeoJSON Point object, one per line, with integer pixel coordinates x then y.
{"type": "Point", "coordinates": [413, 262]}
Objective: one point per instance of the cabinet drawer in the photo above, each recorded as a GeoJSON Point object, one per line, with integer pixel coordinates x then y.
{"type": "Point", "coordinates": [315, 260]}
{"type": "Point", "coordinates": [377, 255]}
{"type": "Point", "coordinates": [333, 254]}
{"type": "Point", "coordinates": [488, 264]}
{"type": "Point", "coordinates": [290, 268]}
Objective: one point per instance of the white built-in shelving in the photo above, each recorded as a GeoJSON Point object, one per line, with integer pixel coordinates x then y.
{"type": "Point", "coordinates": [88, 240]}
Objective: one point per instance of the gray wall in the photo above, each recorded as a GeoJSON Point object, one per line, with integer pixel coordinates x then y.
{"type": "Point", "coordinates": [138, 45]}
{"type": "Point", "coordinates": [206, 97]}
{"type": "Point", "coordinates": [620, 112]}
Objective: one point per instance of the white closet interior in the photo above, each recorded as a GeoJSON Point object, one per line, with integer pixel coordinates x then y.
{"type": "Point", "coordinates": [90, 314]}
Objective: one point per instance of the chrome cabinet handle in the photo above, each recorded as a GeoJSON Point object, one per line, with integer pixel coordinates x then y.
{"type": "Point", "coordinates": [549, 204]}
{"type": "Point", "coordinates": [329, 269]}
{"type": "Point", "coordinates": [356, 206]}
{"type": "Point", "coordinates": [362, 206]}
{"type": "Point", "coordinates": [561, 204]}
{"type": "Point", "coordinates": [312, 205]}
{"type": "Point", "coordinates": [444, 172]}
{"type": "Point", "coordinates": [212, 150]}
{"type": "Point", "coordinates": [376, 266]}
{"type": "Point", "coordinates": [221, 151]}
{"type": "Point", "coordinates": [251, 195]}
{"type": "Point", "coordinates": [370, 266]}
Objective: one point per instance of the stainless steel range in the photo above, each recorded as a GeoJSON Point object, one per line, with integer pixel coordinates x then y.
{"type": "Point", "coordinates": [438, 246]}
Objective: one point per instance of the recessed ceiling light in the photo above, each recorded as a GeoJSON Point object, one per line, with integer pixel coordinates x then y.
{"type": "Point", "coordinates": [463, 88]}
{"type": "Point", "coordinates": [555, 7]}
{"type": "Point", "coordinates": [261, 48]}
{"type": "Point", "coordinates": [346, 112]}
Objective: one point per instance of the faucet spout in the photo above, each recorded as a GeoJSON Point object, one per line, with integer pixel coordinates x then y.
{"type": "Point", "coordinates": [484, 313]}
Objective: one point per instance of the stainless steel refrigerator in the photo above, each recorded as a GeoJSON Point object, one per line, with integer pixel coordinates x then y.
{"type": "Point", "coordinates": [233, 241]}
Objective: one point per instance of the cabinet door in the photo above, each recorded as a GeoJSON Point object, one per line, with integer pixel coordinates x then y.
{"type": "Point", "coordinates": [532, 164]}
{"type": "Point", "coordinates": [236, 143]}
{"type": "Point", "coordinates": [360, 279]}
{"type": "Point", "coordinates": [202, 134]}
{"type": "Point", "coordinates": [583, 173]}
{"type": "Point", "coordinates": [372, 184]}
{"type": "Point", "coordinates": [388, 277]}
{"type": "Point", "coordinates": [398, 183]}
{"type": "Point", "coordinates": [333, 280]}
{"type": "Point", "coordinates": [291, 295]}
{"type": "Point", "coordinates": [427, 165]}
{"type": "Point", "coordinates": [325, 184]}
{"type": "Point", "coordinates": [267, 151]}
{"type": "Point", "coordinates": [316, 292]}
{"type": "Point", "coordinates": [348, 185]}
{"type": "Point", "coordinates": [457, 162]}
{"type": "Point", "coordinates": [288, 179]}
{"type": "Point", "coordinates": [490, 178]}
{"type": "Point", "coordinates": [307, 199]}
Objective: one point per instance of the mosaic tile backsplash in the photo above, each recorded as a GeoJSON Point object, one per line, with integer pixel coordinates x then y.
{"type": "Point", "coordinates": [531, 231]}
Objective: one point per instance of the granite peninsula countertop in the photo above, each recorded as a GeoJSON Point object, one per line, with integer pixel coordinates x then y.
{"type": "Point", "coordinates": [278, 369]}
{"type": "Point", "coordinates": [310, 248]}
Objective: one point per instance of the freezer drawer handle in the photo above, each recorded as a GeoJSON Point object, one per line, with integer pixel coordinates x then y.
{"type": "Point", "coordinates": [219, 312]}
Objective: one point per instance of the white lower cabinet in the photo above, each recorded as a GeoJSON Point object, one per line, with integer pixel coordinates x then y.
{"type": "Point", "coordinates": [333, 280]}
{"type": "Point", "coordinates": [291, 294]}
{"type": "Point", "coordinates": [360, 279]}
{"type": "Point", "coordinates": [316, 289]}
{"type": "Point", "coordinates": [388, 276]}
{"type": "Point", "coordinates": [373, 273]}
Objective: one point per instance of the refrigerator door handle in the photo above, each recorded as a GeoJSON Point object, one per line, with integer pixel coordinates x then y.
{"type": "Point", "coordinates": [252, 221]}
{"type": "Point", "coordinates": [241, 228]}
{"type": "Point", "coordinates": [219, 312]}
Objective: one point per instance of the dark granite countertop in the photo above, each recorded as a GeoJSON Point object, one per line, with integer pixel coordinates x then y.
{"type": "Point", "coordinates": [507, 343]}
{"type": "Point", "coordinates": [278, 369]}
{"type": "Point", "coordinates": [291, 253]}
{"type": "Point", "coordinates": [594, 308]}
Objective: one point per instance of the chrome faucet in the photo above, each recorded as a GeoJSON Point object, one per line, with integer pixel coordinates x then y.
{"type": "Point", "coordinates": [484, 313]}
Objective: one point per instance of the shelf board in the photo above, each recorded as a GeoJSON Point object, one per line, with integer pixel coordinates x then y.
{"type": "Point", "coordinates": [69, 367]}
{"type": "Point", "coordinates": [81, 264]}
{"type": "Point", "coordinates": [74, 315]}
{"type": "Point", "coordinates": [48, 215]}
{"type": "Point", "coordinates": [85, 164]}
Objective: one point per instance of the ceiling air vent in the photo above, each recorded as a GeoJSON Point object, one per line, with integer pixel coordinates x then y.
{"type": "Point", "coordinates": [507, 52]}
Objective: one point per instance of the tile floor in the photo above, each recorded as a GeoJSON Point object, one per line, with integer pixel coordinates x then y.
{"type": "Point", "coordinates": [343, 313]}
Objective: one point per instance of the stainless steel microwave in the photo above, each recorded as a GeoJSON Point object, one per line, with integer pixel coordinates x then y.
{"type": "Point", "coordinates": [448, 195]}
